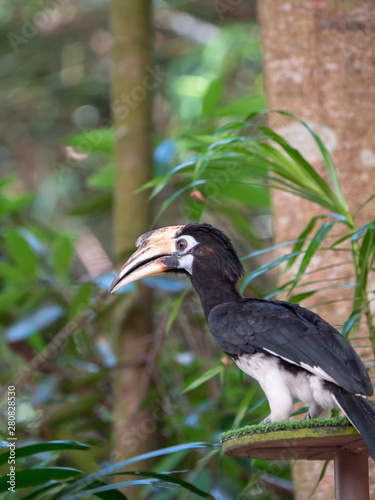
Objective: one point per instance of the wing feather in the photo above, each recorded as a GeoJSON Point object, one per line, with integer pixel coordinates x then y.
{"type": "Point", "coordinates": [293, 333]}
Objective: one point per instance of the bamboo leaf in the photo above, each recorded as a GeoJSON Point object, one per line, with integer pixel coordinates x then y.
{"type": "Point", "coordinates": [166, 476]}
{"type": "Point", "coordinates": [270, 249]}
{"type": "Point", "coordinates": [311, 249]}
{"type": "Point", "coordinates": [21, 252]}
{"type": "Point", "coordinates": [322, 472]}
{"type": "Point", "coordinates": [62, 253]}
{"type": "Point", "coordinates": [301, 164]}
{"type": "Point", "coordinates": [91, 478]}
{"type": "Point", "coordinates": [175, 309]}
{"type": "Point", "coordinates": [163, 181]}
{"type": "Point", "coordinates": [109, 487]}
{"type": "Point", "coordinates": [366, 251]}
{"type": "Point", "coordinates": [327, 160]}
{"type": "Point", "coordinates": [351, 323]}
{"type": "Point", "coordinates": [244, 406]}
{"type": "Point", "coordinates": [216, 370]}
{"type": "Point", "coordinates": [231, 126]}
{"type": "Point", "coordinates": [37, 477]}
{"type": "Point", "coordinates": [32, 449]}
{"type": "Point", "coordinates": [265, 268]}
{"type": "Point", "coordinates": [302, 238]}
{"type": "Point", "coordinates": [201, 166]}
{"type": "Point", "coordinates": [301, 296]}
{"type": "Point", "coordinates": [96, 141]}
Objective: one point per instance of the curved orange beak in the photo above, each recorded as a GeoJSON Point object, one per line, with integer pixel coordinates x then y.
{"type": "Point", "coordinates": [147, 261]}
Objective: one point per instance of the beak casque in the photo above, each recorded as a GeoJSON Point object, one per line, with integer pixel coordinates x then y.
{"type": "Point", "coordinates": [147, 260]}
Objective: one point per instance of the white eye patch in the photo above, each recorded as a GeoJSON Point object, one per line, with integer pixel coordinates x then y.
{"type": "Point", "coordinates": [190, 240]}
{"type": "Point", "coordinates": [186, 259]}
{"type": "Point", "coordinates": [186, 262]}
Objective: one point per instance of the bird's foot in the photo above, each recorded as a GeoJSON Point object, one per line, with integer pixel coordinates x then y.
{"type": "Point", "coordinates": [316, 411]}
{"type": "Point", "coordinates": [267, 420]}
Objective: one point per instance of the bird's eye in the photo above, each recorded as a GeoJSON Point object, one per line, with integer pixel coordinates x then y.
{"type": "Point", "coordinates": [181, 244]}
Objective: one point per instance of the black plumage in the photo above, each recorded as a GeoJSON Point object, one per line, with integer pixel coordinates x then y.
{"type": "Point", "coordinates": [297, 340]}
{"type": "Point", "coordinates": [290, 350]}
{"type": "Point", "coordinates": [291, 332]}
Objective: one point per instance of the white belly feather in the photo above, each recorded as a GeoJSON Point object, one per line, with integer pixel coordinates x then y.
{"type": "Point", "coordinates": [282, 386]}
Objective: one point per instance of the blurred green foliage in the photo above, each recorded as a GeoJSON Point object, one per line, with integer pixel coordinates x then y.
{"type": "Point", "coordinates": [57, 328]}
{"type": "Point", "coordinates": [57, 323]}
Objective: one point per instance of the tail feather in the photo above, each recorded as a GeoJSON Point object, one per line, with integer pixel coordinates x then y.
{"type": "Point", "coordinates": [361, 414]}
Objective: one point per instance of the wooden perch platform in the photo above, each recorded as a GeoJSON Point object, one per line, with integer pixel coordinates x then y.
{"type": "Point", "coordinates": [315, 439]}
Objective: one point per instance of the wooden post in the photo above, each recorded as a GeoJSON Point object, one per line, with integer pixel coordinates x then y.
{"type": "Point", "coordinates": [343, 444]}
{"type": "Point", "coordinates": [351, 475]}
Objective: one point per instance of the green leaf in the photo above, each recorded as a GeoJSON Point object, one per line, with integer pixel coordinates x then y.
{"type": "Point", "coordinates": [204, 377]}
{"type": "Point", "coordinates": [235, 125]}
{"type": "Point", "coordinates": [322, 473]}
{"type": "Point", "coordinates": [164, 480]}
{"type": "Point", "coordinates": [266, 267]}
{"type": "Point", "coordinates": [9, 298]}
{"type": "Point", "coordinates": [36, 477]}
{"type": "Point", "coordinates": [10, 205]}
{"type": "Point", "coordinates": [366, 251]}
{"type": "Point", "coordinates": [7, 181]}
{"type": "Point", "coordinates": [247, 194]}
{"type": "Point", "coordinates": [212, 96]}
{"type": "Point", "coordinates": [175, 309]}
{"type": "Point", "coordinates": [311, 249]}
{"type": "Point", "coordinates": [83, 483]}
{"type": "Point", "coordinates": [163, 180]}
{"type": "Point", "coordinates": [304, 167]}
{"type": "Point", "coordinates": [170, 462]}
{"type": "Point", "coordinates": [243, 105]}
{"type": "Point", "coordinates": [97, 141]}
{"type": "Point", "coordinates": [104, 178]}
{"type": "Point", "coordinates": [166, 476]}
{"type": "Point", "coordinates": [105, 495]}
{"type": "Point", "coordinates": [174, 196]}
{"type": "Point", "coordinates": [270, 249]}
{"type": "Point", "coordinates": [302, 238]}
{"type": "Point", "coordinates": [62, 253]}
{"type": "Point", "coordinates": [244, 406]}
{"type": "Point", "coordinates": [39, 493]}
{"type": "Point", "coordinates": [282, 288]}
{"type": "Point", "coordinates": [301, 296]}
{"type": "Point", "coordinates": [81, 300]}
{"type": "Point", "coordinates": [351, 323]}
{"type": "Point", "coordinates": [11, 273]}
{"type": "Point", "coordinates": [254, 480]}
{"type": "Point", "coordinates": [328, 162]}
{"type": "Point", "coordinates": [109, 487]}
{"type": "Point", "coordinates": [330, 167]}
{"type": "Point", "coordinates": [200, 167]}
{"type": "Point", "coordinates": [153, 182]}
{"type": "Point", "coordinates": [325, 153]}
{"type": "Point", "coordinates": [32, 449]}
{"type": "Point", "coordinates": [21, 253]}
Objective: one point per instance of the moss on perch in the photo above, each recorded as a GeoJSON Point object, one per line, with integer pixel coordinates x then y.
{"type": "Point", "coordinates": [286, 425]}
{"type": "Point", "coordinates": [315, 439]}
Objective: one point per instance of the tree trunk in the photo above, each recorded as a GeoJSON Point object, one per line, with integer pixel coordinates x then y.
{"type": "Point", "coordinates": [319, 59]}
{"type": "Point", "coordinates": [131, 111]}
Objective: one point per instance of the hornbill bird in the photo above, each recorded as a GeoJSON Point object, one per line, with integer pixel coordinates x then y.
{"type": "Point", "coordinates": [292, 352]}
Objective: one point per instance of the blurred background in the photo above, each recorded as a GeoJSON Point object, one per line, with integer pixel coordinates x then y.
{"type": "Point", "coordinates": [80, 82]}
{"type": "Point", "coordinates": [56, 209]}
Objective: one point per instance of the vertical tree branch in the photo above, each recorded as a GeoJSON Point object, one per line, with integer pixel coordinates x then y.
{"type": "Point", "coordinates": [131, 110]}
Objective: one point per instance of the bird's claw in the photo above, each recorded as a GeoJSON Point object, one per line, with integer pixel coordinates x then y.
{"type": "Point", "coordinates": [267, 420]}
